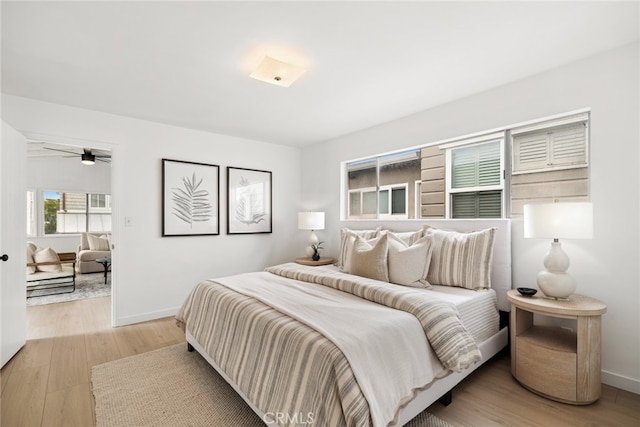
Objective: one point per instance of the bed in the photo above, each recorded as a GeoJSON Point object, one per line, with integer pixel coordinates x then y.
{"type": "Point", "coordinates": [326, 346]}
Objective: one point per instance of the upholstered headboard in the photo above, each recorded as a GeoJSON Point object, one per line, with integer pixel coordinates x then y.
{"type": "Point", "coordinates": [501, 265]}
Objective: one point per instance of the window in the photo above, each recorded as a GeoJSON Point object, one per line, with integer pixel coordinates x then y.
{"type": "Point", "coordinates": [381, 187]}
{"type": "Point", "coordinates": [551, 145]}
{"type": "Point", "coordinates": [66, 212]}
{"type": "Point", "coordinates": [486, 175]}
{"type": "Point", "coordinates": [475, 177]}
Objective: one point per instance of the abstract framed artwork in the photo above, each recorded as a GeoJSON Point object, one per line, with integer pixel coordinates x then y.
{"type": "Point", "coordinates": [248, 201]}
{"type": "Point", "coordinates": [190, 198]}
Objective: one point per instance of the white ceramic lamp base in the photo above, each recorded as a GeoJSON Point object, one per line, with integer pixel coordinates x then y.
{"type": "Point", "coordinates": [555, 282]}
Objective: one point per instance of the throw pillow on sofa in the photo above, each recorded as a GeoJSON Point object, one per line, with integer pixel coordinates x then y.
{"type": "Point", "coordinates": [98, 243]}
{"type": "Point", "coordinates": [47, 255]}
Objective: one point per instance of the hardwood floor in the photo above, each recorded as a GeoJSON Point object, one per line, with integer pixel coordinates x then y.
{"type": "Point", "coordinates": [48, 383]}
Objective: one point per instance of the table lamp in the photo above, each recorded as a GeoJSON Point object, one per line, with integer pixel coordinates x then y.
{"type": "Point", "coordinates": [311, 221]}
{"type": "Point", "coordinates": [571, 220]}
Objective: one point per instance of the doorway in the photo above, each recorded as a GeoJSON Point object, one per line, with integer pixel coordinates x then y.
{"type": "Point", "coordinates": [69, 196]}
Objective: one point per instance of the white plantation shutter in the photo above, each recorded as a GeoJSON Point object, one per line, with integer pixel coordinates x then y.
{"type": "Point", "coordinates": [550, 145]}
{"type": "Point", "coordinates": [568, 145]}
{"type": "Point", "coordinates": [476, 180]}
{"type": "Point", "coordinates": [476, 165]}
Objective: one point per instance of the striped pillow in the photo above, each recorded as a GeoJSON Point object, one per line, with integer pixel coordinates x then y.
{"type": "Point", "coordinates": [347, 238]}
{"type": "Point", "coordinates": [461, 259]}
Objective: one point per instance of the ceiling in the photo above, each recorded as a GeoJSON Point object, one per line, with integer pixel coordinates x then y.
{"type": "Point", "coordinates": [187, 63]}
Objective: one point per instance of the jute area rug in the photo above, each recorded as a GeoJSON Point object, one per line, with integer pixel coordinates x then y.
{"type": "Point", "coordinates": [172, 387]}
{"type": "Point", "coordinates": [89, 285]}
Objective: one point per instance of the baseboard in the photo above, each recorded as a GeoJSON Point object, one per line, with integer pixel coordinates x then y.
{"type": "Point", "coordinates": [621, 382]}
{"type": "Point", "coordinates": [144, 317]}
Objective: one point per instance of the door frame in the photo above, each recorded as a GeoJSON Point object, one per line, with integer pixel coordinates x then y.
{"type": "Point", "coordinates": [103, 145]}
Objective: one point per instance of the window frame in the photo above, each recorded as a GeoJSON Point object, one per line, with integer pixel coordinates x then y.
{"type": "Point", "coordinates": [390, 188]}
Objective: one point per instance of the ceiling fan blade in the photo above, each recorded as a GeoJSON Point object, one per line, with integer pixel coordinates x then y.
{"type": "Point", "coordinates": [62, 151]}
{"type": "Point", "coordinates": [103, 160]}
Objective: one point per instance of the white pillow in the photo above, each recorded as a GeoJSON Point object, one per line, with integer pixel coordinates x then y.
{"type": "Point", "coordinates": [408, 237]}
{"type": "Point", "coordinates": [369, 258]}
{"type": "Point", "coordinates": [347, 238]}
{"type": "Point", "coordinates": [461, 259]}
{"type": "Point", "coordinates": [98, 243]}
{"type": "Point", "coordinates": [47, 255]}
{"type": "Point", "coordinates": [409, 264]}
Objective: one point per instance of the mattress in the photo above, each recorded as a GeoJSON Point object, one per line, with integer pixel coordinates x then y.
{"type": "Point", "coordinates": [478, 310]}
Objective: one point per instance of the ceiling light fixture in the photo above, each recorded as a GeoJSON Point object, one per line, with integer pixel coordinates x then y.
{"type": "Point", "coordinates": [277, 72]}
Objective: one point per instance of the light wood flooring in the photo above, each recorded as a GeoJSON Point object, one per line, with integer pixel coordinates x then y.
{"type": "Point", "coordinates": [48, 382]}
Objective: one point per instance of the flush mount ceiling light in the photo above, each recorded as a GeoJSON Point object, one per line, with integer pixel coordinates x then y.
{"type": "Point", "coordinates": [277, 72]}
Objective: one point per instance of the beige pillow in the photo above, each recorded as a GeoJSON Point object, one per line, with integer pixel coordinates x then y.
{"type": "Point", "coordinates": [461, 259]}
{"type": "Point", "coordinates": [347, 238]}
{"type": "Point", "coordinates": [47, 255]}
{"type": "Point", "coordinates": [369, 258]}
{"type": "Point", "coordinates": [98, 243]}
{"type": "Point", "coordinates": [409, 264]}
{"type": "Point", "coordinates": [408, 237]}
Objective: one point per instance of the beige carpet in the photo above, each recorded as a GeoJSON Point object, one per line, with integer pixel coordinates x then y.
{"type": "Point", "coordinates": [172, 387]}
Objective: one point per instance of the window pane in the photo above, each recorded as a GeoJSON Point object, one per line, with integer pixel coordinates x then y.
{"type": "Point", "coordinates": [481, 204]}
{"type": "Point", "coordinates": [398, 201]}
{"type": "Point", "coordinates": [360, 175]}
{"type": "Point", "coordinates": [354, 203]}
{"type": "Point", "coordinates": [369, 203]}
{"type": "Point", "coordinates": [384, 201]}
{"type": "Point", "coordinates": [51, 208]}
{"type": "Point", "coordinates": [400, 169]}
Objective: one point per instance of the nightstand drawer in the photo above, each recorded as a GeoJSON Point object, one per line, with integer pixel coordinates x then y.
{"type": "Point", "coordinates": [545, 370]}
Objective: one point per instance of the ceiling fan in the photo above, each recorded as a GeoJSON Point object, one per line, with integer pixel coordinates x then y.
{"type": "Point", "coordinates": [87, 156]}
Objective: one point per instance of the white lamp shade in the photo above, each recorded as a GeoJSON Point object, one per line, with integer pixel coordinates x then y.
{"type": "Point", "coordinates": [311, 220]}
{"type": "Point", "coordinates": [572, 220]}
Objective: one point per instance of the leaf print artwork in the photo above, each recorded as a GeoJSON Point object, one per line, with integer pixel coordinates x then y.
{"type": "Point", "coordinates": [191, 204]}
{"type": "Point", "coordinates": [249, 203]}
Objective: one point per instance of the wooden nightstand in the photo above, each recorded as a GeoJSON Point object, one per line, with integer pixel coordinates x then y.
{"type": "Point", "coordinates": [321, 261]}
{"type": "Point", "coordinates": [554, 362]}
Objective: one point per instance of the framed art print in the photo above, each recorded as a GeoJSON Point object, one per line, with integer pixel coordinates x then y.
{"type": "Point", "coordinates": [190, 198]}
{"type": "Point", "coordinates": [248, 201]}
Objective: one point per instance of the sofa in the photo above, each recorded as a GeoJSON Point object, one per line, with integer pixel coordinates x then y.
{"type": "Point", "coordinates": [92, 246]}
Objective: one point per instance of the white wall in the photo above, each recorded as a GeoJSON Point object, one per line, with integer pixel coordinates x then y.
{"type": "Point", "coordinates": [606, 267]}
{"type": "Point", "coordinates": [65, 174]}
{"type": "Point", "coordinates": [152, 275]}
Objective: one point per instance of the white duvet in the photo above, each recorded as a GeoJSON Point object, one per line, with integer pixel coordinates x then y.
{"type": "Point", "coordinates": [389, 355]}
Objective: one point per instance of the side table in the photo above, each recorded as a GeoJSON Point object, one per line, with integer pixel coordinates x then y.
{"type": "Point", "coordinates": [106, 264]}
{"type": "Point", "coordinates": [554, 362]}
{"type": "Point", "coordinates": [321, 261]}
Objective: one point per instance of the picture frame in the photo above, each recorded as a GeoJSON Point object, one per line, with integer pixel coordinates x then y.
{"type": "Point", "coordinates": [190, 198]}
{"type": "Point", "coordinates": [249, 199]}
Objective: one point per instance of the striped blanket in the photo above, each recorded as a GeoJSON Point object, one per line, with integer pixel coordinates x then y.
{"type": "Point", "coordinates": [284, 365]}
